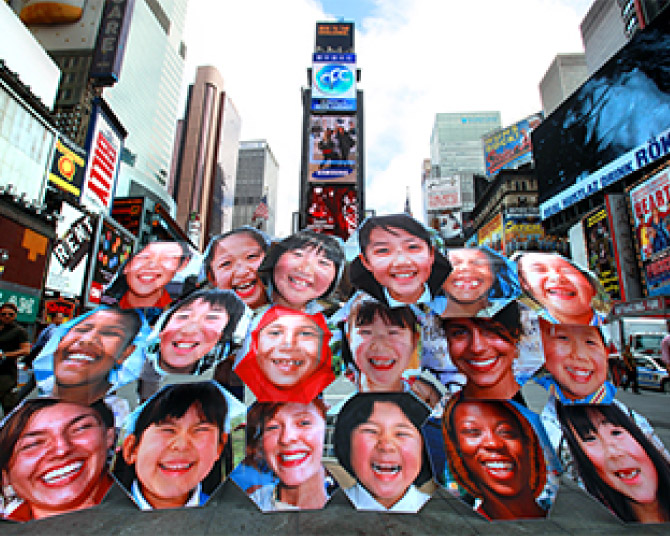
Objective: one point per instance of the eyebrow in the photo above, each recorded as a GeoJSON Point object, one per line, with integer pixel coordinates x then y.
{"type": "Point", "coordinates": [69, 424]}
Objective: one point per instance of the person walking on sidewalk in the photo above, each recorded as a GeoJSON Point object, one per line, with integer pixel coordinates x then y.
{"type": "Point", "coordinates": [665, 351]}
{"type": "Point", "coordinates": [14, 344]}
{"type": "Point", "coordinates": [631, 370]}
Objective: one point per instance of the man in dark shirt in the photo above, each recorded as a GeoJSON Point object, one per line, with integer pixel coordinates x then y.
{"type": "Point", "coordinates": [14, 344]}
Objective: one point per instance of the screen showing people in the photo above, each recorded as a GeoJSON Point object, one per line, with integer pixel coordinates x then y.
{"type": "Point", "coordinates": [283, 469]}
{"type": "Point", "coordinates": [439, 344]}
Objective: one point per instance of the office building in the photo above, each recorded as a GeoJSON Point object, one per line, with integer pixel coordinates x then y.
{"type": "Point", "coordinates": [257, 173]}
{"type": "Point", "coordinates": [565, 74]}
{"type": "Point", "coordinates": [206, 159]}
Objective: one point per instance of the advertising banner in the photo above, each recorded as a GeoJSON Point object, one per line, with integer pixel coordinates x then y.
{"type": "Point", "coordinates": [58, 305]}
{"type": "Point", "coordinates": [522, 232]}
{"type": "Point", "coordinates": [624, 247]}
{"type": "Point", "coordinates": [613, 125]}
{"type": "Point", "coordinates": [24, 253]}
{"type": "Point", "coordinates": [129, 211]}
{"type": "Point", "coordinates": [510, 147]}
{"type": "Point", "coordinates": [104, 149]}
{"type": "Point", "coordinates": [334, 82]}
{"type": "Point", "coordinates": [110, 45]}
{"type": "Point", "coordinates": [332, 148]}
{"type": "Point", "coordinates": [332, 210]}
{"type": "Point", "coordinates": [67, 266]}
{"type": "Point", "coordinates": [68, 165]}
{"type": "Point", "coordinates": [600, 251]}
{"type": "Point", "coordinates": [443, 193]}
{"type": "Point", "coordinates": [650, 204]}
{"type": "Point", "coordinates": [27, 303]}
{"type": "Point", "coordinates": [114, 246]}
{"type": "Point", "coordinates": [491, 233]}
{"type": "Point", "coordinates": [657, 274]}
{"type": "Point", "coordinates": [336, 36]}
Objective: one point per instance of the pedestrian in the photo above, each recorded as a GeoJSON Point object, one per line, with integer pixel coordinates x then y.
{"type": "Point", "coordinates": [631, 370]}
{"type": "Point", "coordinates": [665, 351]}
{"type": "Point", "coordinates": [14, 344]}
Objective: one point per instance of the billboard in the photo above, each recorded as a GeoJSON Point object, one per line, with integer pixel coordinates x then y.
{"type": "Point", "coordinates": [510, 147]}
{"type": "Point", "coordinates": [650, 207]}
{"type": "Point", "coordinates": [113, 247]}
{"type": "Point", "coordinates": [332, 148]}
{"type": "Point", "coordinates": [334, 82]}
{"type": "Point", "coordinates": [624, 247]}
{"type": "Point", "coordinates": [600, 251]}
{"type": "Point", "coordinates": [129, 212]}
{"type": "Point", "coordinates": [334, 37]}
{"type": "Point", "coordinates": [67, 265]}
{"type": "Point", "coordinates": [110, 45]}
{"type": "Point", "coordinates": [332, 210]}
{"type": "Point", "coordinates": [104, 159]}
{"type": "Point", "coordinates": [443, 193]}
{"type": "Point", "coordinates": [522, 232]}
{"type": "Point", "coordinates": [491, 233]}
{"type": "Point", "coordinates": [68, 164]}
{"type": "Point", "coordinates": [615, 124]}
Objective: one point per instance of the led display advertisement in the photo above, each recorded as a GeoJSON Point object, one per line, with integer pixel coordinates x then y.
{"type": "Point", "coordinates": [114, 246]}
{"type": "Point", "coordinates": [522, 232]}
{"type": "Point", "coordinates": [334, 82]}
{"type": "Point", "coordinates": [600, 251]}
{"type": "Point", "coordinates": [510, 147]}
{"type": "Point", "coordinates": [335, 36]}
{"type": "Point", "coordinates": [615, 124]}
{"type": "Point", "coordinates": [443, 193]}
{"type": "Point", "coordinates": [332, 210]}
{"type": "Point", "coordinates": [67, 168]}
{"type": "Point", "coordinates": [332, 148]}
{"type": "Point", "coordinates": [650, 204]}
{"type": "Point", "coordinates": [104, 149]}
{"type": "Point", "coordinates": [129, 211]}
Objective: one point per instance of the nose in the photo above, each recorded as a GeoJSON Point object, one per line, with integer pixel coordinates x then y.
{"type": "Point", "coordinates": [180, 441]}
{"type": "Point", "coordinates": [477, 341]}
{"type": "Point", "coordinates": [492, 440]}
{"type": "Point", "coordinates": [288, 434]}
{"type": "Point", "coordinates": [60, 444]}
{"type": "Point", "coordinates": [241, 267]}
{"type": "Point", "coordinates": [385, 442]}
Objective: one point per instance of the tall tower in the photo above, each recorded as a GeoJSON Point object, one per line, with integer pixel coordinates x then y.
{"type": "Point", "coordinates": [332, 164]}
{"type": "Point", "coordinates": [206, 161]}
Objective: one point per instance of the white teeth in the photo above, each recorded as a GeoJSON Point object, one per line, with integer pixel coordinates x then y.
{"type": "Point", "coordinates": [53, 476]}
{"type": "Point", "coordinates": [579, 372]}
{"type": "Point", "coordinates": [80, 357]}
{"type": "Point", "coordinates": [471, 284]}
{"type": "Point", "coordinates": [482, 362]}
{"type": "Point", "coordinates": [628, 474]}
{"type": "Point", "coordinates": [185, 345]}
{"type": "Point", "coordinates": [385, 468]}
{"type": "Point", "coordinates": [243, 286]}
{"type": "Point", "coordinates": [505, 466]}
{"type": "Point", "coordinates": [176, 466]}
{"type": "Point", "coordinates": [294, 457]}
{"type": "Point", "coordinates": [288, 362]}
{"type": "Point", "coordinates": [299, 282]}
{"type": "Point", "coordinates": [382, 362]}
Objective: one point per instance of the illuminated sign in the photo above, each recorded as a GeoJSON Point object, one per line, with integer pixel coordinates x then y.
{"type": "Point", "coordinates": [128, 212]}
{"type": "Point", "coordinates": [332, 210]}
{"type": "Point", "coordinates": [509, 148]}
{"type": "Point", "coordinates": [335, 36]}
{"type": "Point", "coordinates": [334, 82]}
{"type": "Point", "coordinates": [110, 44]}
{"type": "Point", "coordinates": [443, 193]}
{"type": "Point", "coordinates": [332, 148]}
{"type": "Point", "coordinates": [67, 168]}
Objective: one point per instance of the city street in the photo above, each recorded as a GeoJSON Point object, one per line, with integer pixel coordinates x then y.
{"type": "Point", "coordinates": [230, 512]}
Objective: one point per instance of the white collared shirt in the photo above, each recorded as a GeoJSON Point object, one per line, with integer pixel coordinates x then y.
{"type": "Point", "coordinates": [410, 503]}
{"type": "Point", "coordinates": [136, 492]}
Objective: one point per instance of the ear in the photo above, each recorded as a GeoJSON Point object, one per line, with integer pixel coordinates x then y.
{"type": "Point", "coordinates": [222, 443]}
{"type": "Point", "coordinates": [125, 354]}
{"type": "Point", "coordinates": [110, 436]}
{"type": "Point", "coordinates": [5, 480]}
{"type": "Point", "coordinates": [129, 449]}
{"type": "Point", "coordinates": [364, 262]}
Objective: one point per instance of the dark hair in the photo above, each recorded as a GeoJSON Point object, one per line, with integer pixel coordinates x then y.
{"type": "Point", "coordinates": [10, 305]}
{"type": "Point", "coordinates": [397, 221]}
{"type": "Point", "coordinates": [538, 468]}
{"type": "Point", "coordinates": [173, 402]}
{"type": "Point", "coordinates": [329, 245]}
{"type": "Point", "coordinates": [364, 313]}
{"type": "Point", "coordinates": [574, 419]}
{"type": "Point", "coordinates": [505, 281]}
{"type": "Point", "coordinates": [226, 299]}
{"type": "Point", "coordinates": [506, 323]}
{"type": "Point", "coordinates": [358, 409]}
{"type": "Point", "coordinates": [15, 423]}
{"type": "Point", "coordinates": [119, 285]}
{"type": "Point", "coordinates": [255, 234]}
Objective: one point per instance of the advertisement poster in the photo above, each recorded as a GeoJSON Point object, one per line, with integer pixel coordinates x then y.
{"type": "Point", "coordinates": [523, 232]}
{"type": "Point", "coordinates": [129, 211]}
{"type": "Point", "coordinates": [491, 234]}
{"type": "Point", "coordinates": [510, 147]}
{"type": "Point", "coordinates": [114, 247]}
{"type": "Point", "coordinates": [67, 168]}
{"type": "Point", "coordinates": [332, 148]}
{"type": "Point", "coordinates": [443, 193]}
{"type": "Point", "coordinates": [650, 203]}
{"type": "Point", "coordinates": [69, 256]}
{"type": "Point", "coordinates": [334, 82]}
{"type": "Point", "coordinates": [332, 210]}
{"type": "Point", "coordinates": [600, 251]}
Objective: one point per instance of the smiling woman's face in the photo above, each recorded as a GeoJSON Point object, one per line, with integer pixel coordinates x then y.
{"type": "Point", "coordinates": [59, 459]}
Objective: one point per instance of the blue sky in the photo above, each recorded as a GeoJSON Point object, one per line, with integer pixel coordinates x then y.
{"type": "Point", "coordinates": [417, 58]}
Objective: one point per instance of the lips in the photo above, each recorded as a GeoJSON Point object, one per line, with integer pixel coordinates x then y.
{"type": "Point", "coordinates": [385, 470]}
{"type": "Point", "coordinates": [500, 469]}
{"type": "Point", "coordinates": [299, 282]}
{"type": "Point", "coordinates": [287, 364]}
{"type": "Point", "coordinates": [62, 475]}
{"type": "Point", "coordinates": [293, 458]}
{"type": "Point", "coordinates": [561, 293]}
{"type": "Point", "coordinates": [176, 468]}
{"type": "Point", "coordinates": [79, 359]}
{"type": "Point", "coordinates": [579, 375]}
{"type": "Point", "coordinates": [627, 475]}
{"type": "Point", "coordinates": [246, 289]}
{"type": "Point", "coordinates": [185, 347]}
{"type": "Point", "coordinates": [382, 363]}
{"type": "Point", "coordinates": [404, 276]}
{"type": "Point", "coordinates": [482, 365]}
{"type": "Point", "coordinates": [467, 284]}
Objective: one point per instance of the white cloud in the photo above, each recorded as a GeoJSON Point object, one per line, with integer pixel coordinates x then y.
{"type": "Point", "coordinates": [418, 58]}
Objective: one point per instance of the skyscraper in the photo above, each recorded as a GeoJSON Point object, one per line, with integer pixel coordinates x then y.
{"type": "Point", "coordinates": [565, 75]}
{"type": "Point", "coordinates": [257, 173]}
{"type": "Point", "coordinates": [206, 157]}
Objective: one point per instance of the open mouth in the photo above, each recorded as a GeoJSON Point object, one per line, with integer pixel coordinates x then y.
{"type": "Point", "coordinates": [148, 278]}
{"type": "Point", "coordinates": [287, 364]}
{"type": "Point", "coordinates": [185, 346]}
{"type": "Point", "coordinates": [499, 468]}
{"type": "Point", "coordinates": [177, 467]}
{"type": "Point", "coordinates": [579, 375]}
{"type": "Point", "coordinates": [482, 365]}
{"type": "Point", "coordinates": [385, 470]}
{"type": "Point", "coordinates": [403, 276]}
{"type": "Point", "coordinates": [467, 284]}
{"type": "Point", "coordinates": [62, 475]}
{"type": "Point", "coordinates": [79, 359]}
{"type": "Point", "coordinates": [293, 458]}
{"type": "Point", "coordinates": [561, 293]}
{"type": "Point", "coordinates": [382, 363]}
{"type": "Point", "coordinates": [627, 474]}
{"type": "Point", "coordinates": [299, 283]}
{"type": "Point", "coordinates": [244, 290]}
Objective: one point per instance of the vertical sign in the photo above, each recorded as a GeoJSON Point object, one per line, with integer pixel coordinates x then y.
{"type": "Point", "coordinates": [111, 42]}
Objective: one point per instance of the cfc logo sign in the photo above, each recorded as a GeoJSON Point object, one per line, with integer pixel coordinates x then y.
{"type": "Point", "coordinates": [334, 79]}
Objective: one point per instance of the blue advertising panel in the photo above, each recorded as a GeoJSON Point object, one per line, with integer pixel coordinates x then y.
{"type": "Point", "coordinates": [334, 82]}
{"type": "Point", "coordinates": [510, 147]}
